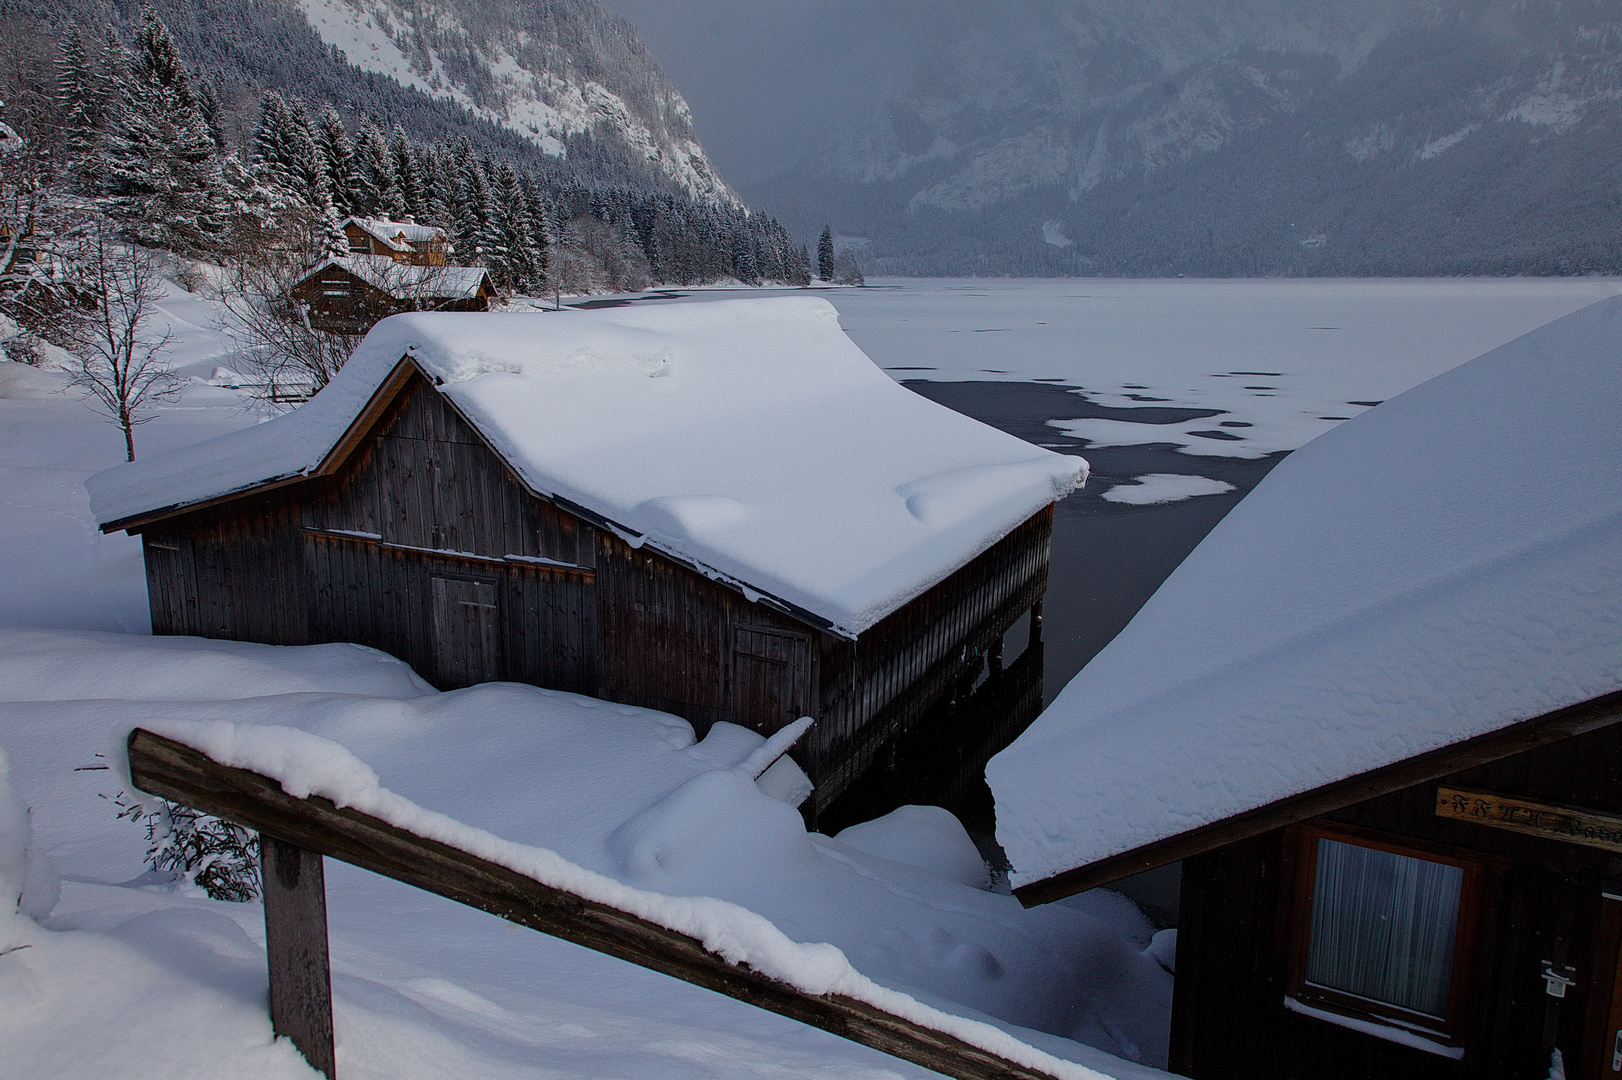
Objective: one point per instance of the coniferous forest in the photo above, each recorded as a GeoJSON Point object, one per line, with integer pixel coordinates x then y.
{"type": "Point", "coordinates": [120, 127]}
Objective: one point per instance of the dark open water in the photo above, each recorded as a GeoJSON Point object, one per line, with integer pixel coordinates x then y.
{"type": "Point", "coordinates": [1108, 559]}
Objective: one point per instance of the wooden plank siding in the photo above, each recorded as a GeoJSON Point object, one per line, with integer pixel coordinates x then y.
{"type": "Point", "coordinates": [1228, 1019]}
{"type": "Point", "coordinates": [876, 687]}
{"type": "Point", "coordinates": [423, 508]}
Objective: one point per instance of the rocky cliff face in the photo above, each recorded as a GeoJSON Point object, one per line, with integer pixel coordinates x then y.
{"type": "Point", "coordinates": [550, 70]}
{"type": "Point", "coordinates": [1250, 136]}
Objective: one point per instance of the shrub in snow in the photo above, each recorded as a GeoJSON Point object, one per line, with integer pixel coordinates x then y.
{"type": "Point", "coordinates": [220, 858]}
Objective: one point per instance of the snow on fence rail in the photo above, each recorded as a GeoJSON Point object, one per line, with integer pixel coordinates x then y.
{"type": "Point", "coordinates": [713, 944]}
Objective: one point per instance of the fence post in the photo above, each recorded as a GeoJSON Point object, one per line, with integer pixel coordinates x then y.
{"type": "Point", "coordinates": [296, 949]}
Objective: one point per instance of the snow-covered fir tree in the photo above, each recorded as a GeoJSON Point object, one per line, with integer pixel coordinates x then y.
{"type": "Point", "coordinates": [380, 188]}
{"type": "Point", "coordinates": [157, 163]}
{"type": "Point", "coordinates": [78, 96]}
{"type": "Point", "coordinates": [412, 197]}
{"type": "Point", "coordinates": [338, 152]}
{"type": "Point", "coordinates": [825, 254]}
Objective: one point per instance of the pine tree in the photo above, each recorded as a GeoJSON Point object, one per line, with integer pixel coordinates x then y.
{"type": "Point", "coordinates": [339, 154]}
{"type": "Point", "coordinates": [745, 265]}
{"type": "Point", "coordinates": [472, 225]}
{"type": "Point", "coordinates": [272, 152]}
{"type": "Point", "coordinates": [406, 175]}
{"type": "Point", "coordinates": [208, 104]}
{"type": "Point", "coordinates": [520, 262]}
{"type": "Point", "coordinates": [76, 93]}
{"type": "Point", "coordinates": [433, 167]}
{"type": "Point", "coordinates": [158, 163]}
{"type": "Point", "coordinates": [825, 254]}
{"type": "Point", "coordinates": [308, 166]}
{"type": "Point", "coordinates": [380, 186]}
{"type": "Point", "coordinates": [333, 237]}
{"type": "Point", "coordinates": [536, 218]}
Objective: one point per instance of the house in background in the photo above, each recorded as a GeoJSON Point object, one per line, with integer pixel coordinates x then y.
{"type": "Point", "coordinates": [723, 510]}
{"type": "Point", "coordinates": [399, 241]}
{"type": "Point", "coordinates": [1378, 715]}
{"type": "Point", "coordinates": [351, 293]}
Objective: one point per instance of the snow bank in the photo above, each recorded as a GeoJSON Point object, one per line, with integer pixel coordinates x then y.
{"type": "Point", "coordinates": [749, 436]}
{"type": "Point", "coordinates": [927, 837]}
{"type": "Point", "coordinates": [1440, 567]}
{"type": "Point", "coordinates": [596, 791]}
{"type": "Point", "coordinates": [307, 765]}
{"type": "Point", "coordinates": [28, 882]}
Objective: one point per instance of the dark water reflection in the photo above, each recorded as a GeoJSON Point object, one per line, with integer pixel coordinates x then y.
{"type": "Point", "coordinates": [1108, 559]}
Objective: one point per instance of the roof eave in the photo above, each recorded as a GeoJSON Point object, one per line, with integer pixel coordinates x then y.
{"type": "Point", "coordinates": [1515, 738]}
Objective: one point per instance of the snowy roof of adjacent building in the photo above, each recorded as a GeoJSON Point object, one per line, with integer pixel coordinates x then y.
{"type": "Point", "coordinates": [398, 235]}
{"type": "Point", "coordinates": [1440, 567]}
{"type": "Point", "coordinates": [405, 280]}
{"type": "Point", "coordinates": [750, 437]}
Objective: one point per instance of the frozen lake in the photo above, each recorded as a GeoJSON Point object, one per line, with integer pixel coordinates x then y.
{"type": "Point", "coordinates": [1181, 394]}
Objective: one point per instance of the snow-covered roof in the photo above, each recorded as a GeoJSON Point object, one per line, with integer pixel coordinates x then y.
{"type": "Point", "coordinates": [1440, 567]}
{"type": "Point", "coordinates": [398, 235]}
{"type": "Point", "coordinates": [750, 437]}
{"type": "Point", "coordinates": [404, 280]}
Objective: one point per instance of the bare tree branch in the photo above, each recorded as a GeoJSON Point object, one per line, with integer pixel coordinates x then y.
{"type": "Point", "coordinates": [120, 359]}
{"type": "Point", "coordinates": [285, 359]}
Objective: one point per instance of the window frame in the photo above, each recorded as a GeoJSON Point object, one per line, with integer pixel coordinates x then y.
{"type": "Point", "coordinates": [1476, 913]}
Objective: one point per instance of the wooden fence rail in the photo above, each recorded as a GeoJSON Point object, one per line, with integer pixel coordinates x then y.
{"type": "Point", "coordinates": [296, 833]}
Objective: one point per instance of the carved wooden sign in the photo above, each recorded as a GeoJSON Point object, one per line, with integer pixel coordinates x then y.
{"type": "Point", "coordinates": [1592, 828]}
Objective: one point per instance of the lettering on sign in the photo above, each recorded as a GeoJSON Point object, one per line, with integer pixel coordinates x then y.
{"type": "Point", "coordinates": [1592, 828]}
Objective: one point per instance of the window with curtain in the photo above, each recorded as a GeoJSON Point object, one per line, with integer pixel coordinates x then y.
{"type": "Point", "coordinates": [1381, 931]}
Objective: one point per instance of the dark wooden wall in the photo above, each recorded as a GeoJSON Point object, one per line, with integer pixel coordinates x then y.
{"type": "Point", "coordinates": [877, 687]}
{"type": "Point", "coordinates": [425, 545]}
{"type": "Point", "coordinates": [1228, 1019]}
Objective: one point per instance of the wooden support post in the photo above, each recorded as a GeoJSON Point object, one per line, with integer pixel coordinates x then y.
{"type": "Point", "coordinates": [1036, 622]}
{"type": "Point", "coordinates": [295, 894]}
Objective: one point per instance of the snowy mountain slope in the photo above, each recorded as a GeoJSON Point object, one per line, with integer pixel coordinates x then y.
{"type": "Point", "coordinates": [546, 71]}
{"type": "Point", "coordinates": [1053, 114]}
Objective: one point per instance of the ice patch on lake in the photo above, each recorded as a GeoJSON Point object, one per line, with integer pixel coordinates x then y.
{"type": "Point", "coordinates": [1153, 489]}
{"type": "Point", "coordinates": [1285, 357]}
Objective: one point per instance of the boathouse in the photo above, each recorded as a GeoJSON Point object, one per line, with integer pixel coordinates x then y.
{"type": "Point", "coordinates": [723, 510]}
{"type": "Point", "coordinates": [1377, 715]}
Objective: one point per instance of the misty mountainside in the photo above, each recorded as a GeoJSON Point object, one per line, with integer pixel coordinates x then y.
{"type": "Point", "coordinates": [1250, 137]}
{"type": "Point", "coordinates": [548, 70]}
{"type": "Point", "coordinates": [562, 86]}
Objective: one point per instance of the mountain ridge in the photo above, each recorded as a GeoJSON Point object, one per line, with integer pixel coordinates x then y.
{"type": "Point", "coordinates": [1019, 146]}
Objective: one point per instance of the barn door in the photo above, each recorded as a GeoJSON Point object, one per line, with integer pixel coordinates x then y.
{"type": "Point", "coordinates": [771, 677]}
{"type": "Point", "coordinates": [467, 632]}
{"type": "Point", "coordinates": [1602, 1058]}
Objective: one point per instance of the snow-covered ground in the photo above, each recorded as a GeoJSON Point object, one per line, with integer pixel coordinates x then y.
{"type": "Point", "coordinates": [424, 989]}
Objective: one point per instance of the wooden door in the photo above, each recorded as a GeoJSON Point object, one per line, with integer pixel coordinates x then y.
{"type": "Point", "coordinates": [467, 632]}
{"type": "Point", "coordinates": [1602, 1054]}
{"type": "Point", "coordinates": [171, 584]}
{"type": "Point", "coordinates": [771, 677]}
